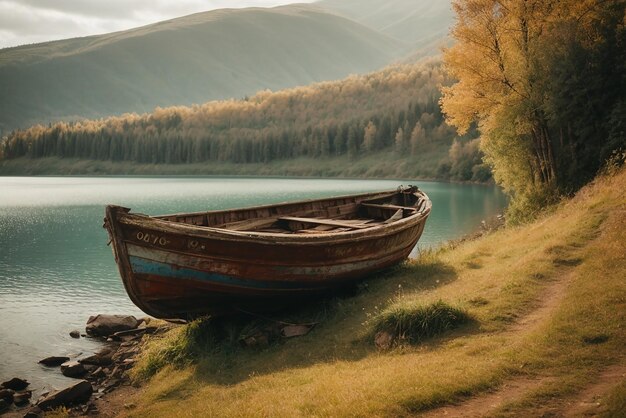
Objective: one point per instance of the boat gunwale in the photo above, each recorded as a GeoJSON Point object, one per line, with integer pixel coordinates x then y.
{"type": "Point", "coordinates": [272, 238]}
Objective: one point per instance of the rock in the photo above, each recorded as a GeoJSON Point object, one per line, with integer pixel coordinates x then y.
{"type": "Point", "coordinates": [90, 409]}
{"type": "Point", "coordinates": [4, 405]}
{"type": "Point", "coordinates": [7, 395]}
{"type": "Point", "coordinates": [76, 394]}
{"type": "Point", "coordinates": [125, 352]}
{"type": "Point", "coordinates": [34, 412]}
{"type": "Point", "coordinates": [105, 325]}
{"type": "Point", "coordinates": [111, 384]}
{"type": "Point", "coordinates": [15, 384]}
{"type": "Point", "coordinates": [383, 340]}
{"type": "Point", "coordinates": [54, 361]}
{"type": "Point", "coordinates": [73, 369]}
{"type": "Point", "coordinates": [98, 373]}
{"type": "Point", "coordinates": [291, 331]}
{"type": "Point", "coordinates": [75, 333]}
{"type": "Point", "coordinates": [102, 358]}
{"type": "Point", "coordinates": [258, 340]}
{"type": "Point", "coordinates": [22, 398]}
{"type": "Point", "coordinates": [131, 333]}
{"type": "Point", "coordinates": [90, 368]}
{"type": "Point", "coordinates": [117, 371]}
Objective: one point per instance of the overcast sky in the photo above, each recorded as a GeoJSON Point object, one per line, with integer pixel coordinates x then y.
{"type": "Point", "coordinates": [30, 21]}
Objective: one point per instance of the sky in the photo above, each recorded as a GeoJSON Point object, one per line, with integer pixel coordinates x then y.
{"type": "Point", "coordinates": [31, 21]}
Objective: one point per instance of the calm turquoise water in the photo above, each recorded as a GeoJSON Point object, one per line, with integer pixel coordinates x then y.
{"type": "Point", "coordinates": [56, 269]}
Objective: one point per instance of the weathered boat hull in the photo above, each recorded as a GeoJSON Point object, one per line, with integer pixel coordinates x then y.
{"type": "Point", "coordinates": [179, 270]}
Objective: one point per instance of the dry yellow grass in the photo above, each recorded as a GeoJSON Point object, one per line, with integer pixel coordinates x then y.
{"type": "Point", "coordinates": [550, 303]}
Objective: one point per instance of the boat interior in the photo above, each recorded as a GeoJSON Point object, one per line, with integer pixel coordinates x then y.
{"type": "Point", "coordinates": [315, 216]}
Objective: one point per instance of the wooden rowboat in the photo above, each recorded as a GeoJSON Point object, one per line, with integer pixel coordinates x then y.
{"type": "Point", "coordinates": [191, 264]}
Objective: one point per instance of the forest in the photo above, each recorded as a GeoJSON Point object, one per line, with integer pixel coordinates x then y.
{"type": "Point", "coordinates": [545, 82]}
{"type": "Point", "coordinates": [394, 110]}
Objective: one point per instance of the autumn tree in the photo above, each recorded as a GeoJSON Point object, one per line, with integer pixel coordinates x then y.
{"type": "Point", "coordinates": [417, 137]}
{"type": "Point", "coordinates": [540, 78]}
{"type": "Point", "coordinates": [369, 137]}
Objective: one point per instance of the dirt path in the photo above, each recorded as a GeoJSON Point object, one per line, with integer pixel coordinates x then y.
{"type": "Point", "coordinates": [487, 403]}
{"type": "Point", "coordinates": [590, 402]}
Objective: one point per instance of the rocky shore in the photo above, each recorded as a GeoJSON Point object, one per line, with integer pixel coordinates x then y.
{"type": "Point", "coordinates": [96, 375]}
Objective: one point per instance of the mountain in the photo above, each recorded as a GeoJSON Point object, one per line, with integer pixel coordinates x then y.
{"type": "Point", "coordinates": [206, 56]}
{"type": "Point", "coordinates": [418, 22]}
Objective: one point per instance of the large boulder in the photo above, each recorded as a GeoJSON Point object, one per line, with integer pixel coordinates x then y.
{"type": "Point", "coordinates": [73, 369]}
{"type": "Point", "coordinates": [4, 405]}
{"type": "Point", "coordinates": [22, 398]}
{"type": "Point", "coordinates": [7, 395]}
{"type": "Point", "coordinates": [15, 384]}
{"type": "Point", "coordinates": [105, 325]}
{"type": "Point", "coordinates": [54, 361]}
{"type": "Point", "coordinates": [76, 394]}
{"type": "Point", "coordinates": [101, 358]}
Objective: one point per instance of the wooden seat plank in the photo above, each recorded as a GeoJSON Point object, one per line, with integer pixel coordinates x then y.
{"type": "Point", "coordinates": [394, 207]}
{"type": "Point", "coordinates": [317, 221]}
{"type": "Point", "coordinates": [250, 224]}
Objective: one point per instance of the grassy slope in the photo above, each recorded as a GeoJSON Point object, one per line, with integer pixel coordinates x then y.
{"type": "Point", "coordinates": [538, 293]}
{"type": "Point", "coordinates": [384, 164]}
{"type": "Point", "coordinates": [193, 59]}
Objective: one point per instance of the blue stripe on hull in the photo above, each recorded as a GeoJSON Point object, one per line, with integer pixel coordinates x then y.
{"type": "Point", "coordinates": [143, 266]}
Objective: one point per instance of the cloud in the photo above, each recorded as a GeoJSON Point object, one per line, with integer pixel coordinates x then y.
{"type": "Point", "coordinates": [29, 21]}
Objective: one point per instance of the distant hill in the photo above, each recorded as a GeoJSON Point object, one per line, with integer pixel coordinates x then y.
{"type": "Point", "coordinates": [421, 23]}
{"type": "Point", "coordinates": [206, 56]}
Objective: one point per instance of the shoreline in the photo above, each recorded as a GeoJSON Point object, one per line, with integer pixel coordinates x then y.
{"type": "Point", "coordinates": [94, 376]}
{"type": "Point", "coordinates": [296, 169]}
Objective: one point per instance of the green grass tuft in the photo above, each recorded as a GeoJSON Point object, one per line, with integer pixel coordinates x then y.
{"type": "Point", "coordinates": [413, 322]}
{"type": "Point", "coordinates": [178, 348]}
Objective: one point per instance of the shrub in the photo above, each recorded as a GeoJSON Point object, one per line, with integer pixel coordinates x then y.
{"type": "Point", "coordinates": [177, 348]}
{"type": "Point", "coordinates": [414, 323]}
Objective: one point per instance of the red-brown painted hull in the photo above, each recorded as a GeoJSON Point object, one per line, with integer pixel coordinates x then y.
{"type": "Point", "coordinates": [173, 268]}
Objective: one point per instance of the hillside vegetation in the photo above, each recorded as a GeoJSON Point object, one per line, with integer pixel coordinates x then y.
{"type": "Point", "coordinates": [206, 56]}
{"type": "Point", "coordinates": [545, 336]}
{"type": "Point", "coordinates": [390, 118]}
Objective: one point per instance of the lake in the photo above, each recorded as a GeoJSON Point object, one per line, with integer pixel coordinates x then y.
{"type": "Point", "coordinates": [56, 269]}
